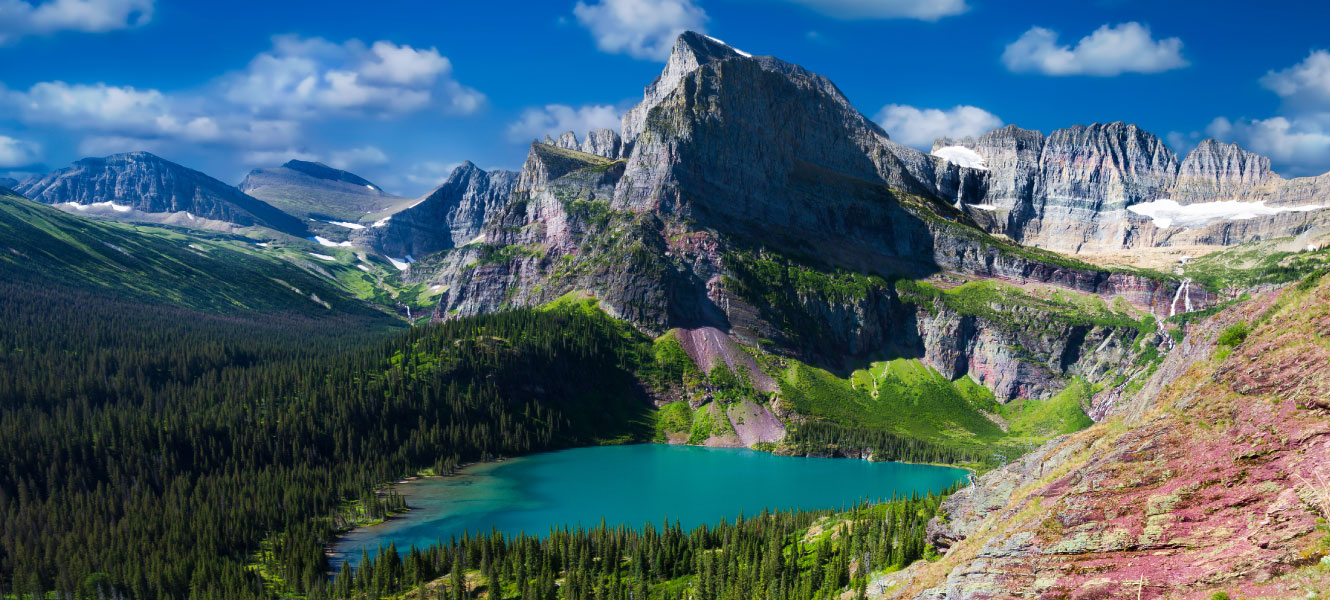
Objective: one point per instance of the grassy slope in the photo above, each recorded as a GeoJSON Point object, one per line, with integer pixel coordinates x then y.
{"type": "Point", "coordinates": [187, 268]}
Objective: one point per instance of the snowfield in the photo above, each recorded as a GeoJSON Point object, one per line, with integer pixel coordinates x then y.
{"type": "Point", "coordinates": [983, 206]}
{"type": "Point", "coordinates": [401, 263]}
{"type": "Point", "coordinates": [322, 256]}
{"type": "Point", "coordinates": [345, 224]}
{"type": "Point", "coordinates": [1167, 213]}
{"type": "Point", "coordinates": [962, 157]}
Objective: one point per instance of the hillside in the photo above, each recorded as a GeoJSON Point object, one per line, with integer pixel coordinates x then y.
{"type": "Point", "coordinates": [44, 247]}
{"type": "Point", "coordinates": [1212, 480]}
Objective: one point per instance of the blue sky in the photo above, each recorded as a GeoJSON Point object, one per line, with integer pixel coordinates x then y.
{"type": "Point", "coordinates": [400, 91]}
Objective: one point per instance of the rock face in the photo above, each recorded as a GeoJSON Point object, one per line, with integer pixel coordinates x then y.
{"type": "Point", "coordinates": [316, 191]}
{"type": "Point", "coordinates": [730, 158]}
{"type": "Point", "coordinates": [149, 184]}
{"type": "Point", "coordinates": [1213, 481]}
{"type": "Point", "coordinates": [1072, 191]}
{"type": "Point", "coordinates": [450, 216]}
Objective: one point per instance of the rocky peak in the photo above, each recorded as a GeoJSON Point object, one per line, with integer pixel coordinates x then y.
{"type": "Point", "coordinates": [450, 216]}
{"type": "Point", "coordinates": [602, 142]}
{"type": "Point", "coordinates": [1214, 168]}
{"type": "Point", "coordinates": [691, 50]}
{"type": "Point", "coordinates": [546, 162]}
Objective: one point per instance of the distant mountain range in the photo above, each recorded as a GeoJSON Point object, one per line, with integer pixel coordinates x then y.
{"type": "Point", "coordinates": [313, 190]}
{"type": "Point", "coordinates": [141, 186]}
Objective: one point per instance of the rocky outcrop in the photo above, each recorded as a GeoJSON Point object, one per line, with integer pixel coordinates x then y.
{"type": "Point", "coordinates": [454, 214]}
{"type": "Point", "coordinates": [1072, 191]}
{"type": "Point", "coordinates": [149, 184]}
{"type": "Point", "coordinates": [314, 190]}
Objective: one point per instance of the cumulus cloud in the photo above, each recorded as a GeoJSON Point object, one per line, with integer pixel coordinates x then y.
{"type": "Point", "coordinates": [554, 119]}
{"type": "Point", "coordinates": [919, 127]}
{"type": "Point", "coordinates": [1305, 85]}
{"type": "Point", "coordinates": [19, 18]}
{"type": "Point", "coordinates": [924, 10]}
{"type": "Point", "coordinates": [1110, 50]}
{"type": "Point", "coordinates": [18, 153]}
{"type": "Point", "coordinates": [302, 78]}
{"type": "Point", "coordinates": [1297, 138]}
{"type": "Point", "coordinates": [639, 28]}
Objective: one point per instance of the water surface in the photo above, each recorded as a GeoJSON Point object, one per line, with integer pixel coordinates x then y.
{"type": "Point", "coordinates": [633, 485]}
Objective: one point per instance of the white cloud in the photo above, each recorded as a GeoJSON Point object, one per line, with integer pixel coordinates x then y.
{"type": "Point", "coordinates": [919, 127]}
{"type": "Point", "coordinates": [357, 157]}
{"type": "Point", "coordinates": [1110, 50]}
{"type": "Point", "coordinates": [640, 28]}
{"type": "Point", "coordinates": [19, 18]}
{"type": "Point", "coordinates": [1298, 144]}
{"type": "Point", "coordinates": [18, 153]}
{"type": "Point", "coordinates": [303, 78]}
{"type": "Point", "coordinates": [1304, 85]}
{"type": "Point", "coordinates": [924, 10]}
{"type": "Point", "coordinates": [1297, 139]}
{"type": "Point", "coordinates": [116, 114]}
{"type": "Point", "coordinates": [260, 110]}
{"type": "Point", "coordinates": [554, 119]}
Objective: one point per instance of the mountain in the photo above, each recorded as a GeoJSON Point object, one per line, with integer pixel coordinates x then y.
{"type": "Point", "coordinates": [450, 216]}
{"type": "Point", "coordinates": [1212, 482]}
{"type": "Point", "coordinates": [316, 191]}
{"type": "Point", "coordinates": [752, 205]}
{"type": "Point", "coordinates": [1111, 186]}
{"type": "Point", "coordinates": [42, 246]}
{"type": "Point", "coordinates": [8, 182]}
{"type": "Point", "coordinates": [143, 187]}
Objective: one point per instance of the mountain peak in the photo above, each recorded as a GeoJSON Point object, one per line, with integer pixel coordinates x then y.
{"type": "Point", "coordinates": [691, 51]}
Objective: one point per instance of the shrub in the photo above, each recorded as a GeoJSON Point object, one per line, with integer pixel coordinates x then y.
{"type": "Point", "coordinates": [1235, 334]}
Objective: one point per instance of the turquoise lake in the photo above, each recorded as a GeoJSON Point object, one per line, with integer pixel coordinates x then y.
{"type": "Point", "coordinates": [632, 485]}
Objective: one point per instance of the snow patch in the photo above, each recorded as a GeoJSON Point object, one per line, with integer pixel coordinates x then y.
{"type": "Point", "coordinates": [262, 244]}
{"type": "Point", "coordinates": [370, 186]}
{"type": "Point", "coordinates": [323, 241]}
{"type": "Point", "coordinates": [363, 268]}
{"type": "Point", "coordinates": [345, 224]}
{"type": "Point", "coordinates": [321, 256]}
{"type": "Point", "coordinates": [121, 208]}
{"type": "Point", "coordinates": [961, 157]}
{"type": "Point", "coordinates": [401, 263]}
{"type": "Point", "coordinates": [381, 222]}
{"type": "Point", "coordinates": [740, 52]}
{"type": "Point", "coordinates": [983, 206]}
{"type": "Point", "coordinates": [1167, 213]}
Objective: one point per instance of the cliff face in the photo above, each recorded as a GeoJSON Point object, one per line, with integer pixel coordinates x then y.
{"type": "Point", "coordinates": [148, 184]}
{"type": "Point", "coordinates": [1212, 480]}
{"type": "Point", "coordinates": [450, 216]}
{"type": "Point", "coordinates": [732, 158]}
{"type": "Point", "coordinates": [1106, 187]}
